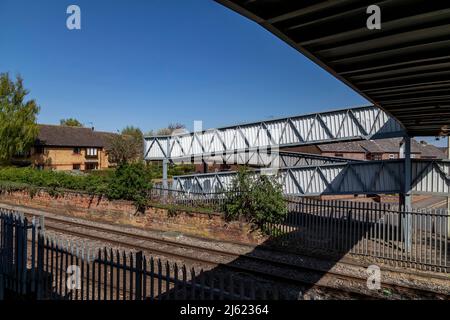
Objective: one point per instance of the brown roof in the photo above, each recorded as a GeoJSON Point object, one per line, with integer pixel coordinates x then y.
{"type": "Point", "coordinates": [342, 147]}
{"type": "Point", "coordinates": [444, 150]}
{"type": "Point", "coordinates": [65, 136]}
{"type": "Point", "coordinates": [391, 145]}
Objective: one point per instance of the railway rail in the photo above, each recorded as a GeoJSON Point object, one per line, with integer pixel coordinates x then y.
{"type": "Point", "coordinates": [262, 267]}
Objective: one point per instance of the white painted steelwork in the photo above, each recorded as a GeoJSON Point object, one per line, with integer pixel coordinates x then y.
{"type": "Point", "coordinates": [368, 177]}
{"type": "Point", "coordinates": [256, 158]}
{"type": "Point", "coordinates": [367, 122]}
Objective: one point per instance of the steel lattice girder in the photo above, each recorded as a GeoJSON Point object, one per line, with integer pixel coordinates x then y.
{"type": "Point", "coordinates": [277, 159]}
{"type": "Point", "coordinates": [368, 177]}
{"type": "Point", "coordinates": [342, 125]}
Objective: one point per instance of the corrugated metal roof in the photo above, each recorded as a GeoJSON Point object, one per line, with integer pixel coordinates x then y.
{"type": "Point", "coordinates": [403, 68]}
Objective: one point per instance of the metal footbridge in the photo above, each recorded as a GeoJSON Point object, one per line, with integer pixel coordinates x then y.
{"type": "Point", "coordinates": [403, 68]}
{"type": "Point", "coordinates": [364, 177]}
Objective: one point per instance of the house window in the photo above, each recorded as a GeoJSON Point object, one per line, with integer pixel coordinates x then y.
{"type": "Point", "coordinates": [91, 166]}
{"type": "Point", "coordinates": [77, 150]}
{"type": "Point", "coordinates": [340, 155]}
{"type": "Point", "coordinates": [391, 156]}
{"type": "Point", "coordinates": [38, 150]}
{"type": "Point", "coordinates": [91, 152]}
{"type": "Point", "coordinates": [376, 156]}
{"type": "Point", "coordinates": [76, 166]}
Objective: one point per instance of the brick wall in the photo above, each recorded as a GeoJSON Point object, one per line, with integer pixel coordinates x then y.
{"type": "Point", "coordinates": [63, 158]}
{"type": "Point", "coordinates": [122, 212]}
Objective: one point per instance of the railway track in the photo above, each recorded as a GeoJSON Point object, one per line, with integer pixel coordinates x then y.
{"type": "Point", "coordinates": [262, 267]}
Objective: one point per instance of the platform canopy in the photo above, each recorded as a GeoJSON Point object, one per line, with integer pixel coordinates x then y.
{"type": "Point", "coordinates": [403, 68]}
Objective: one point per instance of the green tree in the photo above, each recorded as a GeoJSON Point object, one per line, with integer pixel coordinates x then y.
{"type": "Point", "coordinates": [18, 128]}
{"type": "Point", "coordinates": [257, 198]}
{"type": "Point", "coordinates": [137, 141]}
{"type": "Point", "coordinates": [70, 122]}
{"type": "Point", "coordinates": [126, 147]}
{"type": "Point", "coordinates": [131, 182]}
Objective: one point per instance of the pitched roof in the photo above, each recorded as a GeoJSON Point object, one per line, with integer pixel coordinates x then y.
{"type": "Point", "coordinates": [65, 136]}
{"type": "Point", "coordinates": [444, 150]}
{"type": "Point", "coordinates": [391, 145]}
{"type": "Point", "coordinates": [351, 146]}
{"type": "Point", "coordinates": [428, 150]}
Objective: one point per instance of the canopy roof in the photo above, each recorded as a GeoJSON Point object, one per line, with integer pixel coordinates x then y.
{"type": "Point", "coordinates": [404, 67]}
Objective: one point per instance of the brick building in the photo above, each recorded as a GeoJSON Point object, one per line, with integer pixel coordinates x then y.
{"type": "Point", "coordinates": [68, 148]}
{"type": "Point", "coordinates": [382, 149]}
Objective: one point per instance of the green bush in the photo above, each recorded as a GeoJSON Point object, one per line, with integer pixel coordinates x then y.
{"type": "Point", "coordinates": [173, 170]}
{"type": "Point", "coordinates": [257, 198]}
{"type": "Point", "coordinates": [92, 183]}
{"type": "Point", "coordinates": [131, 182]}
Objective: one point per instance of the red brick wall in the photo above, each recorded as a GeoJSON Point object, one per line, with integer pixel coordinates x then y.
{"type": "Point", "coordinates": [122, 212]}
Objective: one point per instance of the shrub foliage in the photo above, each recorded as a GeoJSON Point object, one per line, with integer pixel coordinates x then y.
{"type": "Point", "coordinates": [127, 182]}
{"type": "Point", "coordinates": [257, 198]}
{"type": "Point", "coordinates": [131, 182]}
{"type": "Point", "coordinates": [92, 183]}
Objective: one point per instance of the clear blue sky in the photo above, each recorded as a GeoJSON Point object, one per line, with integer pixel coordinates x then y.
{"type": "Point", "coordinates": [149, 63]}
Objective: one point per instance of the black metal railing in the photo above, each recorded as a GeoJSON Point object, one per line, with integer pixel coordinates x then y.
{"type": "Point", "coordinates": [418, 238]}
{"type": "Point", "coordinates": [54, 268]}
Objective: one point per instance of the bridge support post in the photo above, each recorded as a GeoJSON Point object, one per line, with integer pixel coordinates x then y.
{"type": "Point", "coordinates": [406, 197]}
{"type": "Point", "coordinates": [448, 198]}
{"type": "Point", "coordinates": [165, 169]}
{"type": "Point", "coordinates": [164, 179]}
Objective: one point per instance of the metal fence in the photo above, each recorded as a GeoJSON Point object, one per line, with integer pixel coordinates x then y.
{"type": "Point", "coordinates": [38, 267]}
{"type": "Point", "coordinates": [369, 229]}
{"type": "Point", "coordinates": [375, 230]}
{"type": "Point", "coordinates": [213, 201]}
{"type": "Point", "coordinates": [14, 252]}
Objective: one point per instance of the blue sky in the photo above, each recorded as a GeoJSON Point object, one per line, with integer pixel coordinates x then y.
{"type": "Point", "coordinates": [150, 63]}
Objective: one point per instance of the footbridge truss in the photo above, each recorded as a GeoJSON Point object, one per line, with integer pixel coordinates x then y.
{"type": "Point", "coordinates": [360, 123]}
{"type": "Point", "coordinates": [366, 177]}
{"type": "Point", "coordinates": [257, 158]}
